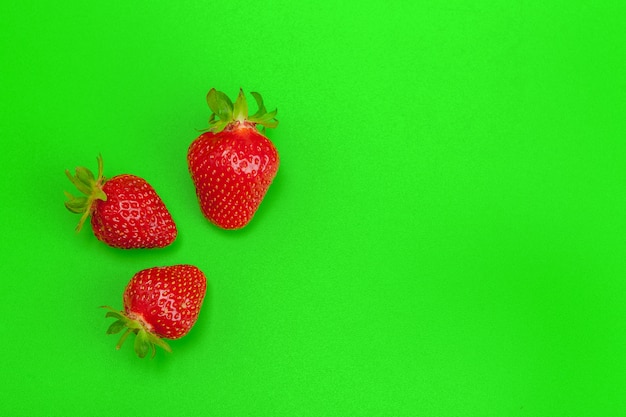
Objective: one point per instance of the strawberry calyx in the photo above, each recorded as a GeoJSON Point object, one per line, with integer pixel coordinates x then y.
{"type": "Point", "coordinates": [145, 339]}
{"type": "Point", "coordinates": [227, 114]}
{"type": "Point", "coordinates": [90, 186]}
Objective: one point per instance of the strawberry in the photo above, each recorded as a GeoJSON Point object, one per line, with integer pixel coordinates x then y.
{"type": "Point", "coordinates": [233, 164]}
{"type": "Point", "coordinates": [125, 210]}
{"type": "Point", "coordinates": [159, 302]}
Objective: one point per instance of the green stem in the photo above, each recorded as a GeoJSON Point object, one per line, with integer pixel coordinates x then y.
{"type": "Point", "coordinates": [90, 187]}
{"type": "Point", "coordinates": [145, 340]}
{"type": "Point", "coordinates": [225, 113]}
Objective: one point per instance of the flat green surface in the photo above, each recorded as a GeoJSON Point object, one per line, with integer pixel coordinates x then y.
{"type": "Point", "coordinates": [446, 235]}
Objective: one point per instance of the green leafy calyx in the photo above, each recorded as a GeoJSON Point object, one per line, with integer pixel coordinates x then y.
{"type": "Point", "coordinates": [145, 340]}
{"type": "Point", "coordinates": [228, 114]}
{"type": "Point", "coordinates": [90, 187]}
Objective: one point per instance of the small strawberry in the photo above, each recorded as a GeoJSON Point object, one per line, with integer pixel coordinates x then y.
{"type": "Point", "coordinates": [125, 210]}
{"type": "Point", "coordinates": [233, 164]}
{"type": "Point", "coordinates": [159, 302]}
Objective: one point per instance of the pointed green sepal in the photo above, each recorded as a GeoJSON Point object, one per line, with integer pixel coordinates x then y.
{"type": "Point", "coordinates": [262, 116]}
{"type": "Point", "coordinates": [240, 112]}
{"type": "Point", "coordinates": [259, 103]}
{"type": "Point", "coordinates": [113, 313]}
{"type": "Point", "coordinates": [75, 204]}
{"type": "Point", "coordinates": [225, 113]}
{"type": "Point", "coordinates": [142, 345]}
{"type": "Point", "coordinates": [116, 327]}
{"type": "Point", "coordinates": [90, 187]}
{"type": "Point", "coordinates": [220, 104]}
{"type": "Point", "coordinates": [145, 340]}
{"type": "Point", "coordinates": [85, 176]}
{"type": "Point", "coordinates": [157, 341]}
{"type": "Point", "coordinates": [267, 119]}
{"type": "Point", "coordinates": [123, 339]}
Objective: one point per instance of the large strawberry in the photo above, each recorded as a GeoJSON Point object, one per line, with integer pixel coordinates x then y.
{"type": "Point", "coordinates": [233, 164]}
{"type": "Point", "coordinates": [159, 302]}
{"type": "Point", "coordinates": [125, 210]}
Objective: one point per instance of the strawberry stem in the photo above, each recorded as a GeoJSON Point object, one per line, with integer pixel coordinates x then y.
{"type": "Point", "coordinates": [226, 114]}
{"type": "Point", "coordinates": [88, 185]}
{"type": "Point", "coordinates": [145, 340]}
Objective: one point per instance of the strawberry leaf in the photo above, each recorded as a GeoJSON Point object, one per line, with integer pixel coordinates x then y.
{"type": "Point", "coordinates": [142, 345]}
{"type": "Point", "coordinates": [220, 104]}
{"type": "Point", "coordinates": [123, 338]}
{"type": "Point", "coordinates": [260, 106]}
{"type": "Point", "coordinates": [240, 112]}
{"type": "Point", "coordinates": [78, 183]}
{"type": "Point", "coordinates": [160, 342]}
{"type": "Point", "coordinates": [225, 113]}
{"type": "Point", "coordinates": [113, 313]}
{"type": "Point", "coordinates": [218, 126]}
{"type": "Point", "coordinates": [85, 176]}
{"type": "Point", "coordinates": [267, 117]}
{"type": "Point", "coordinates": [262, 117]}
{"type": "Point", "coordinates": [75, 204]}
{"type": "Point", "coordinates": [116, 327]}
{"type": "Point", "coordinates": [90, 187]}
{"type": "Point", "coordinates": [144, 339]}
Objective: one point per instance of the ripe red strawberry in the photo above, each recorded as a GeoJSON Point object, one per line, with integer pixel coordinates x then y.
{"type": "Point", "coordinates": [233, 164]}
{"type": "Point", "coordinates": [159, 302]}
{"type": "Point", "coordinates": [125, 210]}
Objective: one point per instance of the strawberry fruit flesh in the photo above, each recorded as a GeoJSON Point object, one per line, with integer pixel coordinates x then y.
{"type": "Point", "coordinates": [232, 171]}
{"type": "Point", "coordinates": [133, 216]}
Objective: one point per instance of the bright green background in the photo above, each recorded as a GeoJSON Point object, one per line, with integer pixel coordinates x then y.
{"type": "Point", "coordinates": [446, 235]}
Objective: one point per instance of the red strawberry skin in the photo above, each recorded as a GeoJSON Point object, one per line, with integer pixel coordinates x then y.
{"type": "Point", "coordinates": [232, 171]}
{"type": "Point", "coordinates": [166, 300]}
{"type": "Point", "coordinates": [133, 215]}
